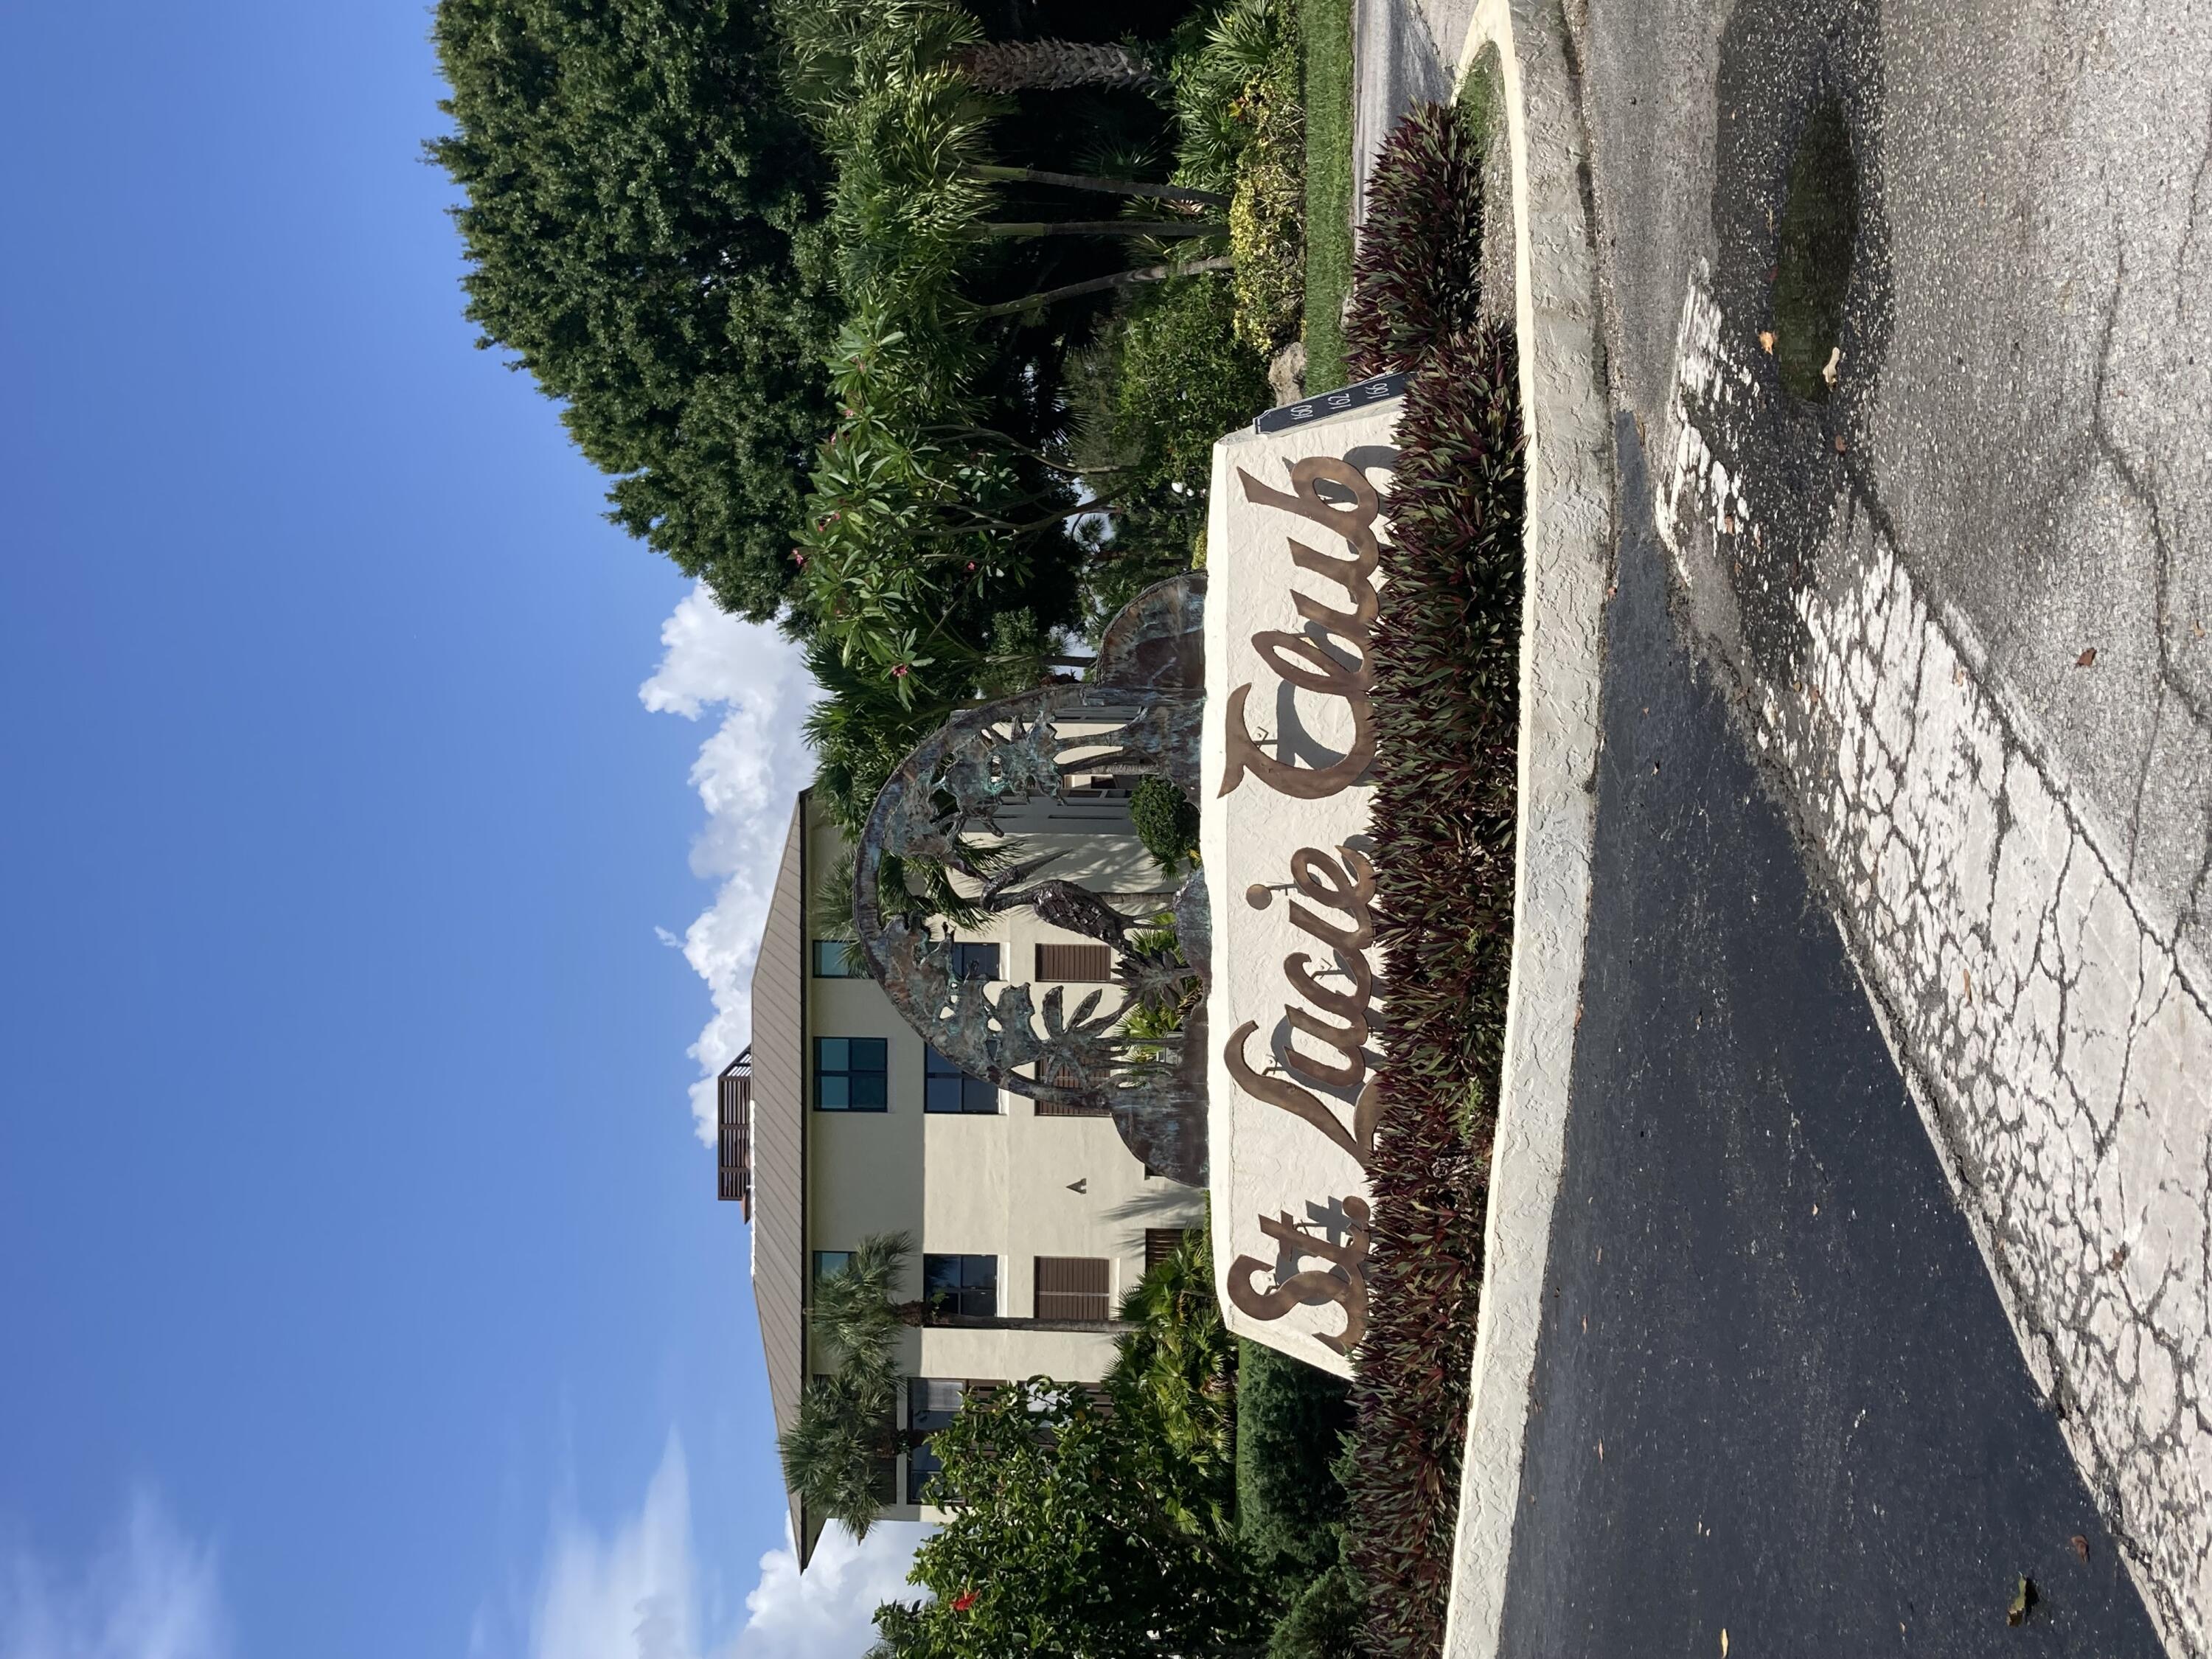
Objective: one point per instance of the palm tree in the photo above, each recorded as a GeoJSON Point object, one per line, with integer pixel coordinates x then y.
{"type": "Point", "coordinates": [922, 63]}
{"type": "Point", "coordinates": [834, 1456]}
{"type": "Point", "coordinates": [838, 1453]}
{"type": "Point", "coordinates": [833, 42]}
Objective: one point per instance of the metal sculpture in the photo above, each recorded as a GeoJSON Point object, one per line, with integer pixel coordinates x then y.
{"type": "Point", "coordinates": [1137, 712]}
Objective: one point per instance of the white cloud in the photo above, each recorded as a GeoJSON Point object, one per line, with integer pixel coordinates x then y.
{"type": "Point", "coordinates": [635, 1593]}
{"type": "Point", "coordinates": [747, 775]}
{"type": "Point", "coordinates": [627, 1596]}
{"type": "Point", "coordinates": [831, 1608]}
{"type": "Point", "coordinates": [151, 1593]}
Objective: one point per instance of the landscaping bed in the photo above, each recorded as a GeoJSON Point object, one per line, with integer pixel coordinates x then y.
{"type": "Point", "coordinates": [1446, 659]}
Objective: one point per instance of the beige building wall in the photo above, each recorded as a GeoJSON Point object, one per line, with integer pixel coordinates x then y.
{"type": "Point", "coordinates": [1013, 1185]}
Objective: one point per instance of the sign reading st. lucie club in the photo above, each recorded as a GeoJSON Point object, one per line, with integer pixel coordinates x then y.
{"type": "Point", "coordinates": [1289, 743]}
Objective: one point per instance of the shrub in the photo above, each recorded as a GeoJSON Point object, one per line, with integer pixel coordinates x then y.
{"type": "Point", "coordinates": [1323, 1623]}
{"type": "Point", "coordinates": [1447, 656]}
{"type": "Point", "coordinates": [1167, 379]}
{"type": "Point", "coordinates": [1290, 1423]}
{"type": "Point", "coordinates": [1242, 115]}
{"type": "Point", "coordinates": [1418, 278]}
{"type": "Point", "coordinates": [1268, 210]}
{"type": "Point", "coordinates": [1166, 821]}
{"type": "Point", "coordinates": [1177, 1366]}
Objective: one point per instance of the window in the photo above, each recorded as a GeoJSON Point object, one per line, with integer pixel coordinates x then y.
{"type": "Point", "coordinates": [849, 1074]}
{"type": "Point", "coordinates": [837, 959]}
{"type": "Point", "coordinates": [931, 1403]}
{"type": "Point", "coordinates": [1073, 1287]}
{"type": "Point", "coordinates": [1084, 965]}
{"type": "Point", "coordinates": [946, 1088]}
{"type": "Point", "coordinates": [964, 1284]}
{"type": "Point", "coordinates": [827, 1262]}
{"type": "Point", "coordinates": [971, 960]}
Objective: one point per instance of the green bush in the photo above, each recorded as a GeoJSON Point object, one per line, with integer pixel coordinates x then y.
{"type": "Point", "coordinates": [1147, 401]}
{"type": "Point", "coordinates": [1323, 1623]}
{"type": "Point", "coordinates": [1166, 821]}
{"type": "Point", "coordinates": [1268, 210]}
{"type": "Point", "coordinates": [1290, 1423]}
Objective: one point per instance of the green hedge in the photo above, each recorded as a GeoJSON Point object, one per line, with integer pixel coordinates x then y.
{"type": "Point", "coordinates": [1291, 1422]}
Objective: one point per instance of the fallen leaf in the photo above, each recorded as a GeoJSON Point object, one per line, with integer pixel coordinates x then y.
{"type": "Point", "coordinates": [1766, 341]}
{"type": "Point", "coordinates": [1835, 361]}
{"type": "Point", "coordinates": [2088, 659]}
{"type": "Point", "coordinates": [1841, 446]}
{"type": "Point", "coordinates": [1724, 1643]}
{"type": "Point", "coordinates": [1967, 974]}
{"type": "Point", "coordinates": [2022, 1600]}
{"type": "Point", "coordinates": [2081, 1546]}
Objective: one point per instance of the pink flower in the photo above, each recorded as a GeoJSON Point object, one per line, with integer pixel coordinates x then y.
{"type": "Point", "coordinates": [899, 672]}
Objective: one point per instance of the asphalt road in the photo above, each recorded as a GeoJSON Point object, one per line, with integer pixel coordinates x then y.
{"type": "Point", "coordinates": [1775, 1394]}
{"type": "Point", "coordinates": [2024, 383]}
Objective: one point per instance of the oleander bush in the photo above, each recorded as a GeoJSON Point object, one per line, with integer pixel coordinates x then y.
{"type": "Point", "coordinates": [1446, 651]}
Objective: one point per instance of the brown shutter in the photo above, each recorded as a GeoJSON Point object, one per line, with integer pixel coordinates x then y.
{"type": "Point", "coordinates": [1073, 1287]}
{"type": "Point", "coordinates": [1161, 1242]}
{"type": "Point", "coordinates": [1087, 964]}
{"type": "Point", "coordinates": [1060, 1108]}
{"type": "Point", "coordinates": [735, 1161]}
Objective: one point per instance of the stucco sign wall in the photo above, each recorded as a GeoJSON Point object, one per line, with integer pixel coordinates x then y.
{"type": "Point", "coordinates": [1287, 751]}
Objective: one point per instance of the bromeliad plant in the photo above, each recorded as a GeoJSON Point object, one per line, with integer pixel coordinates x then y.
{"type": "Point", "coordinates": [1446, 658]}
{"type": "Point", "coordinates": [1418, 278]}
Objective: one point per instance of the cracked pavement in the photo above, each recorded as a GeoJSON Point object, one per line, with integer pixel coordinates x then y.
{"type": "Point", "coordinates": [1961, 611]}
{"type": "Point", "coordinates": [1777, 1394]}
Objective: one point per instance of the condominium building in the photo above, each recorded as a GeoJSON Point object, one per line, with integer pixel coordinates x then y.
{"type": "Point", "coordinates": [842, 1122]}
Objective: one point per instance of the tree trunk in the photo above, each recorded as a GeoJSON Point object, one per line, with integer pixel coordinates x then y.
{"type": "Point", "coordinates": [1100, 284]}
{"type": "Point", "coordinates": [1102, 227]}
{"type": "Point", "coordinates": [1054, 66]}
{"type": "Point", "coordinates": [1103, 186]}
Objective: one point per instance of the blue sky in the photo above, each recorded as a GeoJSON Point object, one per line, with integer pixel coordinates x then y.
{"type": "Point", "coordinates": [363, 1288]}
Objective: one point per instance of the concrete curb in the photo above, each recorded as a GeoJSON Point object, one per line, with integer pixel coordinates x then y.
{"type": "Point", "coordinates": [1569, 554]}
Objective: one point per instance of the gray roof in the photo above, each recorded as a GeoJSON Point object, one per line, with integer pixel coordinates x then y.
{"type": "Point", "coordinates": [778, 1150]}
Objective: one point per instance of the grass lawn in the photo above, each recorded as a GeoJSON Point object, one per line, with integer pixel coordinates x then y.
{"type": "Point", "coordinates": [1326, 26]}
